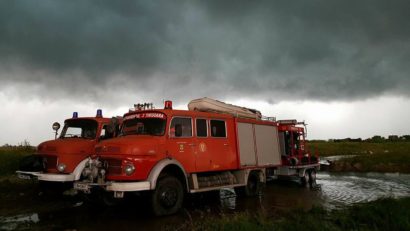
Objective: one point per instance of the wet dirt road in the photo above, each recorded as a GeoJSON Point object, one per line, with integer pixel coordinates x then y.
{"type": "Point", "coordinates": [26, 208]}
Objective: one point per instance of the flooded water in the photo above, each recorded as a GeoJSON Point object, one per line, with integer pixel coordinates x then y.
{"type": "Point", "coordinates": [344, 189]}
{"type": "Point", "coordinates": [333, 191]}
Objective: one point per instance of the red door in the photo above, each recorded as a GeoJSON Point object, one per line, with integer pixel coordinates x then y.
{"type": "Point", "coordinates": [181, 142]}
{"type": "Point", "coordinates": [202, 145]}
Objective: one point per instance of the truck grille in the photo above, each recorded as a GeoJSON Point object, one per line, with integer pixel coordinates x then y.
{"type": "Point", "coordinates": [113, 166]}
{"type": "Point", "coordinates": [50, 162]}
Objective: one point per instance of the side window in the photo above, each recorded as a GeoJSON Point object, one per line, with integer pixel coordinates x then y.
{"type": "Point", "coordinates": [105, 133]}
{"type": "Point", "coordinates": [218, 128]}
{"type": "Point", "coordinates": [181, 127]}
{"type": "Point", "coordinates": [201, 128]}
{"type": "Point", "coordinates": [74, 132]}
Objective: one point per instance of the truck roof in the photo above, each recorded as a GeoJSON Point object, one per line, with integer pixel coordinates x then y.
{"type": "Point", "coordinates": [98, 119]}
{"type": "Point", "coordinates": [199, 114]}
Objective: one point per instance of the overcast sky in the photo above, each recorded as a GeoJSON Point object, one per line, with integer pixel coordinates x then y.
{"type": "Point", "coordinates": [343, 66]}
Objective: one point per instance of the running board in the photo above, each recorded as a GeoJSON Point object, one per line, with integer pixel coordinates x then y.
{"type": "Point", "coordinates": [215, 188]}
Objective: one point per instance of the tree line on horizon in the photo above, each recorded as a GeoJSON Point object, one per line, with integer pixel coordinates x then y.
{"type": "Point", "coordinates": [374, 139]}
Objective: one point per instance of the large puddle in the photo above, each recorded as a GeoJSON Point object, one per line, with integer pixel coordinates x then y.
{"type": "Point", "coordinates": [344, 189]}
{"type": "Point", "coordinates": [333, 190]}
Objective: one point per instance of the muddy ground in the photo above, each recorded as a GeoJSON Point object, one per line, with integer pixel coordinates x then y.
{"type": "Point", "coordinates": [27, 206]}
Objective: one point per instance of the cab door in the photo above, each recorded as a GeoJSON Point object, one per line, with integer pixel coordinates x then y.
{"type": "Point", "coordinates": [220, 147]}
{"type": "Point", "coordinates": [202, 144]}
{"type": "Point", "coordinates": [181, 143]}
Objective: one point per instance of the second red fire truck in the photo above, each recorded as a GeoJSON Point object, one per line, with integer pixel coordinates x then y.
{"type": "Point", "coordinates": [212, 145]}
{"type": "Point", "coordinates": [64, 158]}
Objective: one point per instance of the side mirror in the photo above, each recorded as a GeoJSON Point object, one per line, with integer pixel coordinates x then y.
{"type": "Point", "coordinates": [112, 126]}
{"type": "Point", "coordinates": [56, 126]}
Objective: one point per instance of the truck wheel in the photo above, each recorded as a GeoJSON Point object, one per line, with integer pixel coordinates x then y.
{"type": "Point", "coordinates": [253, 187]}
{"type": "Point", "coordinates": [167, 197]}
{"type": "Point", "coordinates": [304, 180]}
{"type": "Point", "coordinates": [312, 178]}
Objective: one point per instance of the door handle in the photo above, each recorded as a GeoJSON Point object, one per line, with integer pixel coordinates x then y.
{"type": "Point", "coordinates": [226, 144]}
{"type": "Point", "coordinates": [191, 144]}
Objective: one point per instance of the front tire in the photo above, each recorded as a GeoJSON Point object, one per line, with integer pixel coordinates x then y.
{"type": "Point", "coordinates": [167, 197]}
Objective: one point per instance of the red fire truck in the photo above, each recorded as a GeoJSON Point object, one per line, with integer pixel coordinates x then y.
{"type": "Point", "coordinates": [63, 159]}
{"type": "Point", "coordinates": [211, 146]}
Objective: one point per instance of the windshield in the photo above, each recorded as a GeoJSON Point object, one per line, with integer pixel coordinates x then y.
{"type": "Point", "coordinates": [80, 128]}
{"type": "Point", "coordinates": [137, 126]}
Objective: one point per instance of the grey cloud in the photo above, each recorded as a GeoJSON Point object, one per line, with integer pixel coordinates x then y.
{"type": "Point", "coordinates": [272, 50]}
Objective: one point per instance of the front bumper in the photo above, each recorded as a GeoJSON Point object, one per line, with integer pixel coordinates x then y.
{"type": "Point", "coordinates": [46, 176]}
{"type": "Point", "coordinates": [114, 186]}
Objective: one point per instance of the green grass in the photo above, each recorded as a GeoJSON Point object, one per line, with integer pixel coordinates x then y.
{"type": "Point", "coordinates": [370, 157]}
{"type": "Point", "coordinates": [235, 222]}
{"type": "Point", "coordinates": [358, 148]}
{"type": "Point", "coordinates": [11, 156]}
{"type": "Point", "coordinates": [384, 162]}
{"type": "Point", "coordinates": [384, 214]}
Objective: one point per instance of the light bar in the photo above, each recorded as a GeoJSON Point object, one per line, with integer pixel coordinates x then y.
{"type": "Point", "coordinates": [168, 104]}
{"type": "Point", "coordinates": [99, 113]}
{"type": "Point", "coordinates": [287, 122]}
{"type": "Point", "coordinates": [143, 106]}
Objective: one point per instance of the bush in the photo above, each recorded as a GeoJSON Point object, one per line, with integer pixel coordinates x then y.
{"type": "Point", "coordinates": [10, 157]}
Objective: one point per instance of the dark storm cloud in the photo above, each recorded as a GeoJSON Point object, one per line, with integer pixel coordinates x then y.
{"type": "Point", "coordinates": [273, 50]}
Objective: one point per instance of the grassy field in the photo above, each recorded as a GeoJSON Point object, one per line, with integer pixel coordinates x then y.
{"type": "Point", "coordinates": [370, 157]}
{"type": "Point", "coordinates": [11, 156]}
{"type": "Point", "coordinates": [358, 148]}
{"type": "Point", "coordinates": [384, 214]}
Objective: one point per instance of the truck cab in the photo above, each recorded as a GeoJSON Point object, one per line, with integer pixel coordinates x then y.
{"type": "Point", "coordinates": [297, 160]}
{"type": "Point", "coordinates": [63, 159]}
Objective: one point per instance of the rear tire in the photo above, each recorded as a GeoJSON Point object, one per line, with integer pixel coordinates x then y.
{"type": "Point", "coordinates": [304, 180]}
{"type": "Point", "coordinates": [312, 178]}
{"type": "Point", "coordinates": [253, 186]}
{"type": "Point", "coordinates": [167, 197]}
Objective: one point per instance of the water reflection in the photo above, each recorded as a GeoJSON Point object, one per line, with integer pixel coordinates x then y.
{"type": "Point", "coordinates": [333, 190]}
{"type": "Point", "coordinates": [14, 222]}
{"type": "Point", "coordinates": [345, 189]}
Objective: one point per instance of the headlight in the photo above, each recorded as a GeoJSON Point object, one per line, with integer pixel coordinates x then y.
{"type": "Point", "coordinates": [61, 167]}
{"type": "Point", "coordinates": [129, 169]}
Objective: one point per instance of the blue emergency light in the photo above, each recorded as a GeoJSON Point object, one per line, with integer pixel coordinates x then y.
{"type": "Point", "coordinates": [99, 113]}
{"type": "Point", "coordinates": [75, 115]}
